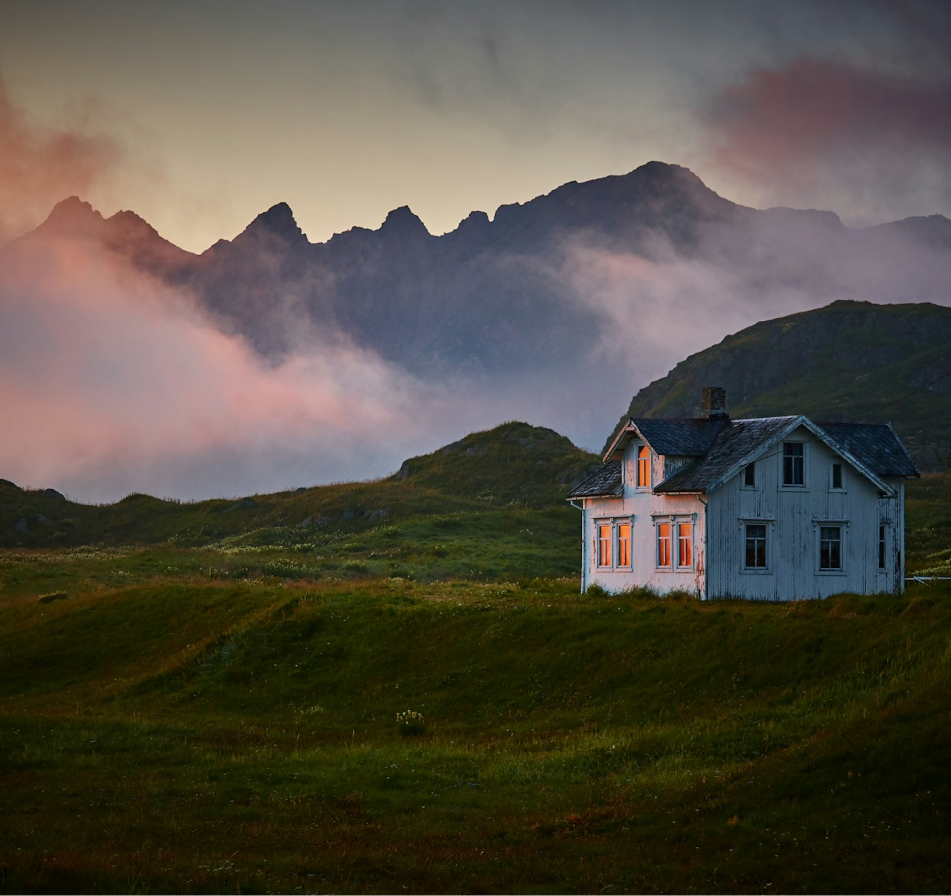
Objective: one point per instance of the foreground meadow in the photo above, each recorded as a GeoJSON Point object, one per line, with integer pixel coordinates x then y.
{"type": "Point", "coordinates": [192, 735]}
{"type": "Point", "coordinates": [203, 698]}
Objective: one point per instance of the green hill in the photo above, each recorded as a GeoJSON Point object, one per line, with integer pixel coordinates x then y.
{"type": "Point", "coordinates": [204, 698]}
{"type": "Point", "coordinates": [488, 506]}
{"type": "Point", "coordinates": [849, 361]}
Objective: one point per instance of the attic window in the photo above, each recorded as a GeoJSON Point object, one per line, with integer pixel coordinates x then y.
{"type": "Point", "coordinates": [837, 476]}
{"type": "Point", "coordinates": [643, 466]}
{"type": "Point", "coordinates": [749, 475]}
{"type": "Point", "coordinates": [793, 466]}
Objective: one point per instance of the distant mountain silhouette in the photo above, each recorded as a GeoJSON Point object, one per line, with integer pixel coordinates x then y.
{"type": "Point", "coordinates": [570, 289]}
{"type": "Point", "coordinates": [491, 297]}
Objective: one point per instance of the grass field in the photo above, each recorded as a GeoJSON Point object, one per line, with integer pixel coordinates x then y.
{"type": "Point", "coordinates": [212, 706]}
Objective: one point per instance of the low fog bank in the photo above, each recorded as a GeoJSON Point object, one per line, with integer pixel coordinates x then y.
{"type": "Point", "coordinates": [112, 383]}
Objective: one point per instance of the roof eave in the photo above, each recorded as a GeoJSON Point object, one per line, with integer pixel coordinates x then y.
{"type": "Point", "coordinates": [625, 430]}
{"type": "Point", "coordinates": [906, 452]}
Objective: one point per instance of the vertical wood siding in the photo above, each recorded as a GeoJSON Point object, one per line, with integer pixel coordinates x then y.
{"type": "Point", "coordinates": [793, 517]}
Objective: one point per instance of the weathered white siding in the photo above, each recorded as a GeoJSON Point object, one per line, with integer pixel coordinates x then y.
{"type": "Point", "coordinates": [793, 517]}
{"type": "Point", "coordinates": [643, 510]}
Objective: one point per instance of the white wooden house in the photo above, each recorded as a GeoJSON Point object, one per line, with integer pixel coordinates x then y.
{"type": "Point", "coordinates": [771, 508]}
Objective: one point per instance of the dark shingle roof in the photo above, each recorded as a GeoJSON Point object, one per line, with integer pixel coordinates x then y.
{"type": "Point", "coordinates": [875, 445]}
{"type": "Point", "coordinates": [605, 482]}
{"type": "Point", "coordinates": [736, 440]}
{"type": "Point", "coordinates": [684, 438]}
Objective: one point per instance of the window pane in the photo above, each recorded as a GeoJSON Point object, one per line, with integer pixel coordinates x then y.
{"type": "Point", "coordinates": [604, 545]}
{"type": "Point", "coordinates": [624, 544]}
{"type": "Point", "coordinates": [749, 475]}
{"type": "Point", "coordinates": [686, 544]}
{"type": "Point", "coordinates": [830, 547]}
{"type": "Point", "coordinates": [881, 547]}
{"type": "Point", "coordinates": [755, 546]}
{"type": "Point", "coordinates": [837, 475]}
{"type": "Point", "coordinates": [643, 466]}
{"type": "Point", "coordinates": [663, 544]}
{"type": "Point", "coordinates": [792, 463]}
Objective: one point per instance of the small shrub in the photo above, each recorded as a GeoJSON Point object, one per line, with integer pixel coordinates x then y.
{"type": "Point", "coordinates": [595, 591]}
{"type": "Point", "coordinates": [51, 596]}
{"type": "Point", "coordinates": [410, 723]}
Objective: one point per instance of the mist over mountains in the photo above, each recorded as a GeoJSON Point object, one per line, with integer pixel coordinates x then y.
{"type": "Point", "coordinates": [389, 341]}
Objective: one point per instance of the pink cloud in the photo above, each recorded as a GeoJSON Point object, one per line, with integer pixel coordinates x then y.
{"type": "Point", "coordinates": [818, 132]}
{"type": "Point", "coordinates": [111, 383]}
{"type": "Point", "coordinates": [41, 165]}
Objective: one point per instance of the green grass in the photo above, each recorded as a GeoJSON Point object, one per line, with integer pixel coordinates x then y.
{"type": "Point", "coordinates": [239, 737]}
{"type": "Point", "coordinates": [207, 702]}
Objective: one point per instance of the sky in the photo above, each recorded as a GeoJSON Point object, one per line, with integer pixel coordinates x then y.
{"type": "Point", "coordinates": [200, 115]}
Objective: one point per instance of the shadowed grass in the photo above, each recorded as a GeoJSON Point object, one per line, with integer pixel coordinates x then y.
{"type": "Point", "coordinates": [221, 737]}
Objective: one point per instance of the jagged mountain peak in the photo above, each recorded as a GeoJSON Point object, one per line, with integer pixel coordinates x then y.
{"type": "Point", "coordinates": [73, 217]}
{"type": "Point", "coordinates": [402, 220]}
{"type": "Point", "coordinates": [277, 221]}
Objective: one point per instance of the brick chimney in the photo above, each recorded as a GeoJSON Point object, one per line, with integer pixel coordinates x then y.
{"type": "Point", "coordinates": [714, 403]}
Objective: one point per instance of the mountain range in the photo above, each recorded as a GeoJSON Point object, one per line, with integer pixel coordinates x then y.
{"type": "Point", "coordinates": [581, 295]}
{"type": "Point", "coordinates": [501, 295]}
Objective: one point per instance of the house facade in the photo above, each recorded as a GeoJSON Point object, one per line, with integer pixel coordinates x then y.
{"type": "Point", "coordinates": [770, 508]}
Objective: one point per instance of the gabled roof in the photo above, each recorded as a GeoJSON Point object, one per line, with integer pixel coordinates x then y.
{"type": "Point", "coordinates": [875, 453]}
{"type": "Point", "coordinates": [605, 482]}
{"type": "Point", "coordinates": [876, 445]}
{"type": "Point", "coordinates": [678, 437]}
{"type": "Point", "coordinates": [722, 447]}
{"type": "Point", "coordinates": [736, 444]}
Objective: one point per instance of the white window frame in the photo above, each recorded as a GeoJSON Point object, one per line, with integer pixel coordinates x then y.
{"type": "Point", "coordinates": [637, 467]}
{"type": "Point", "coordinates": [693, 544]}
{"type": "Point", "coordinates": [674, 520]}
{"type": "Point", "coordinates": [743, 483]}
{"type": "Point", "coordinates": [767, 524]}
{"type": "Point", "coordinates": [614, 542]}
{"type": "Point", "coordinates": [832, 486]}
{"type": "Point", "coordinates": [843, 527]}
{"type": "Point", "coordinates": [792, 486]}
{"type": "Point", "coordinates": [617, 544]}
{"type": "Point", "coordinates": [598, 524]}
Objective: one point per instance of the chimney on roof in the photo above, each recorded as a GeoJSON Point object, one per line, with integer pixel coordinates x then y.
{"type": "Point", "coordinates": [714, 403]}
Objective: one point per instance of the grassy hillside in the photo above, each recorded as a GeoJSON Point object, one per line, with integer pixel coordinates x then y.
{"type": "Point", "coordinates": [243, 738]}
{"type": "Point", "coordinates": [851, 361]}
{"type": "Point", "coordinates": [204, 698]}
{"type": "Point", "coordinates": [489, 505]}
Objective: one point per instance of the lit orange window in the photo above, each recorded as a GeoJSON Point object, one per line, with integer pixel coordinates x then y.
{"type": "Point", "coordinates": [604, 545]}
{"type": "Point", "coordinates": [643, 467]}
{"type": "Point", "coordinates": [663, 544]}
{"type": "Point", "coordinates": [624, 544]}
{"type": "Point", "coordinates": [685, 537]}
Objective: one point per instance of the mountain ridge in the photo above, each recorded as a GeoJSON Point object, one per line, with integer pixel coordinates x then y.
{"type": "Point", "coordinates": [847, 362]}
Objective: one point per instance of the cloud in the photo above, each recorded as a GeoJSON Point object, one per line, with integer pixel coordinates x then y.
{"type": "Point", "coordinates": [111, 383]}
{"type": "Point", "coordinates": [41, 165]}
{"type": "Point", "coordinates": [824, 133]}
